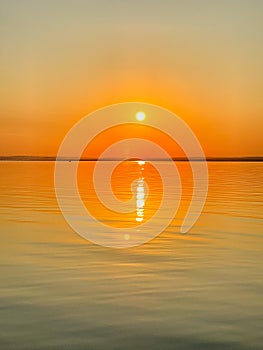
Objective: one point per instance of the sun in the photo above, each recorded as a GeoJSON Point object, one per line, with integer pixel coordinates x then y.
{"type": "Point", "coordinates": [140, 116]}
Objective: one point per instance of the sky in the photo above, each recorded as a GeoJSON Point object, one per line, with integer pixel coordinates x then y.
{"type": "Point", "coordinates": [62, 59]}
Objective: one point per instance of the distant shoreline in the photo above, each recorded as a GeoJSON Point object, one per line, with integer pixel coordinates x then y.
{"type": "Point", "coordinates": [175, 159]}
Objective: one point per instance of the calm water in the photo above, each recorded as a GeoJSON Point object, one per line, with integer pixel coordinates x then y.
{"type": "Point", "coordinates": [202, 290]}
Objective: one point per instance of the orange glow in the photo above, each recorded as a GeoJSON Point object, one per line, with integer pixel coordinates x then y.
{"type": "Point", "coordinates": [122, 178]}
{"type": "Point", "coordinates": [112, 135]}
{"type": "Point", "coordinates": [50, 84]}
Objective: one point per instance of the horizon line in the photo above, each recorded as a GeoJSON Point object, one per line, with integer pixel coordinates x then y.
{"type": "Point", "coordinates": [87, 159]}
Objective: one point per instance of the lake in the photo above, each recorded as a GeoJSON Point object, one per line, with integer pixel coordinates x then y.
{"type": "Point", "coordinates": [200, 290]}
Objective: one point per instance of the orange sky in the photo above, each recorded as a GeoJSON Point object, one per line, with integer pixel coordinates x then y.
{"type": "Point", "coordinates": [200, 59]}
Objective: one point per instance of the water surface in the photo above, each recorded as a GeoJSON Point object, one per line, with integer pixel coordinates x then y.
{"type": "Point", "coordinates": [202, 290]}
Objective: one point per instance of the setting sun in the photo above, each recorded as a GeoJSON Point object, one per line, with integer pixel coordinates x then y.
{"type": "Point", "coordinates": [140, 116]}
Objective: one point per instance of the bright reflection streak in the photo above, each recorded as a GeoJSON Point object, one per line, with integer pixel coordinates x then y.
{"type": "Point", "coordinates": [140, 203]}
{"type": "Point", "coordinates": [140, 196]}
{"type": "Point", "coordinates": [139, 219]}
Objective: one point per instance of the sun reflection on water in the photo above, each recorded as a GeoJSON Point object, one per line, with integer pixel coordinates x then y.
{"type": "Point", "coordinates": [140, 194]}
